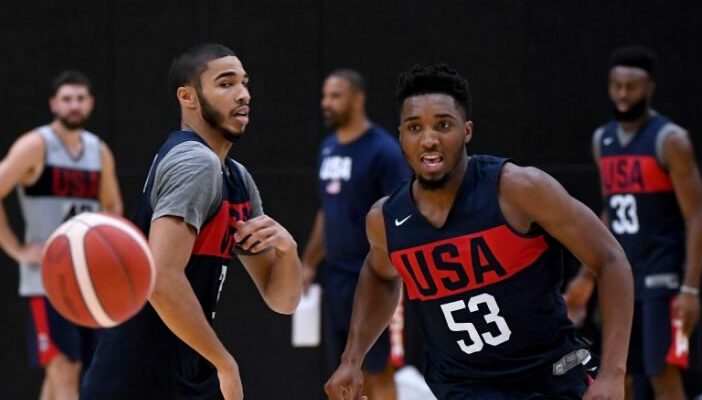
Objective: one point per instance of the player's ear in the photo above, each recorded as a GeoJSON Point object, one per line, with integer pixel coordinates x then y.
{"type": "Point", "coordinates": [468, 130]}
{"type": "Point", "coordinates": [53, 102]}
{"type": "Point", "coordinates": [187, 97]}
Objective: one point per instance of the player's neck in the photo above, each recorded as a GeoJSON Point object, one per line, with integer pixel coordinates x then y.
{"type": "Point", "coordinates": [635, 125]}
{"type": "Point", "coordinates": [214, 139]}
{"type": "Point", "coordinates": [69, 137]}
{"type": "Point", "coordinates": [353, 130]}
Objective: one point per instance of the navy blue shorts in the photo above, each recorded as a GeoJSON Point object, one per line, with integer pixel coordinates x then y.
{"type": "Point", "coordinates": [49, 334]}
{"type": "Point", "coordinates": [541, 385]}
{"type": "Point", "coordinates": [339, 289]}
{"type": "Point", "coordinates": [651, 337]}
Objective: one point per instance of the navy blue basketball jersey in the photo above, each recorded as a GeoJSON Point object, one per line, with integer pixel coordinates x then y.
{"type": "Point", "coordinates": [142, 358]}
{"type": "Point", "coordinates": [352, 177]}
{"type": "Point", "coordinates": [487, 298]}
{"type": "Point", "coordinates": [642, 208]}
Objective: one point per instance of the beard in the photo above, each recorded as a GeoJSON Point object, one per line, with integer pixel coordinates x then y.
{"type": "Point", "coordinates": [216, 119]}
{"type": "Point", "coordinates": [636, 111]}
{"type": "Point", "coordinates": [433, 184]}
{"type": "Point", "coordinates": [337, 120]}
{"type": "Point", "coordinates": [72, 123]}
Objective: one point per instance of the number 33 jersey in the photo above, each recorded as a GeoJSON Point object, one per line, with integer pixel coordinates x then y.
{"type": "Point", "coordinates": [487, 298]}
{"type": "Point", "coordinates": [641, 206]}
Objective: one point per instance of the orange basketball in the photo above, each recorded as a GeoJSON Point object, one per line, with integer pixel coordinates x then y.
{"type": "Point", "coordinates": [97, 270]}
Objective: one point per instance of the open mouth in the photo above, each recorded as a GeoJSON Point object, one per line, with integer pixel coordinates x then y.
{"type": "Point", "coordinates": [432, 161]}
{"type": "Point", "coordinates": [242, 111]}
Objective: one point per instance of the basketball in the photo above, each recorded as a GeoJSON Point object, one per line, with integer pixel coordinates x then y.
{"type": "Point", "coordinates": [97, 270]}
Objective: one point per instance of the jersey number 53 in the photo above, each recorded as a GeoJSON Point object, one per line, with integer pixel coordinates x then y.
{"type": "Point", "coordinates": [477, 340]}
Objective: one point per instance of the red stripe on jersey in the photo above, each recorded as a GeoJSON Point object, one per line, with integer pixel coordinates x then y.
{"type": "Point", "coordinates": [459, 264]}
{"type": "Point", "coordinates": [66, 182]}
{"type": "Point", "coordinates": [216, 237]}
{"type": "Point", "coordinates": [633, 174]}
{"type": "Point", "coordinates": [46, 349]}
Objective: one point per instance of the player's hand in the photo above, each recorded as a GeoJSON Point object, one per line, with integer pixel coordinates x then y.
{"type": "Point", "coordinates": [262, 232]}
{"type": "Point", "coordinates": [606, 388]}
{"type": "Point", "coordinates": [230, 382]}
{"type": "Point", "coordinates": [687, 308]}
{"type": "Point", "coordinates": [308, 274]}
{"type": "Point", "coordinates": [346, 383]}
{"type": "Point", "coordinates": [31, 254]}
{"type": "Point", "coordinates": [576, 298]}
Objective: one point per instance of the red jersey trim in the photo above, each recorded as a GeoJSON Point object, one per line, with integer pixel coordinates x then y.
{"type": "Point", "coordinates": [459, 264]}
{"type": "Point", "coordinates": [46, 349]}
{"type": "Point", "coordinates": [633, 174]}
{"type": "Point", "coordinates": [216, 237]}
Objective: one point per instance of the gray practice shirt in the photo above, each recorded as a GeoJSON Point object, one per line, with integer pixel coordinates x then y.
{"type": "Point", "coordinates": [188, 184]}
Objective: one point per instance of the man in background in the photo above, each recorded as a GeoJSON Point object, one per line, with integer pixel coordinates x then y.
{"type": "Point", "coordinates": [59, 170]}
{"type": "Point", "coordinates": [358, 164]}
{"type": "Point", "coordinates": [653, 205]}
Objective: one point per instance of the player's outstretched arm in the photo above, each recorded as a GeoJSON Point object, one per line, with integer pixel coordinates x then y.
{"type": "Point", "coordinates": [374, 303]}
{"type": "Point", "coordinates": [688, 188]}
{"type": "Point", "coordinates": [171, 241]}
{"type": "Point", "coordinates": [109, 196]}
{"type": "Point", "coordinates": [274, 264]}
{"type": "Point", "coordinates": [22, 162]}
{"type": "Point", "coordinates": [529, 196]}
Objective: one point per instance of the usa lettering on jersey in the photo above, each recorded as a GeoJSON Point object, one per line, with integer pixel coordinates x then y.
{"type": "Point", "coordinates": [633, 174]}
{"type": "Point", "coordinates": [462, 263]}
{"type": "Point", "coordinates": [66, 182]}
{"type": "Point", "coordinates": [335, 168]}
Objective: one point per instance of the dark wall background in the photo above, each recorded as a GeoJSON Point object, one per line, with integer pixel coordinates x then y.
{"type": "Point", "coordinates": [537, 70]}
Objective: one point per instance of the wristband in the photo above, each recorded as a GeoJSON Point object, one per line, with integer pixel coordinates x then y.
{"type": "Point", "coordinates": [689, 290]}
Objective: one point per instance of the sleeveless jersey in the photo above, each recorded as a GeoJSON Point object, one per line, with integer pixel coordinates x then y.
{"type": "Point", "coordinates": [642, 208]}
{"type": "Point", "coordinates": [487, 298]}
{"type": "Point", "coordinates": [67, 186]}
{"type": "Point", "coordinates": [142, 358]}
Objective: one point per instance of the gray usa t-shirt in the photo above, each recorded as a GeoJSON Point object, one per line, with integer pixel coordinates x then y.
{"type": "Point", "coordinates": [188, 185]}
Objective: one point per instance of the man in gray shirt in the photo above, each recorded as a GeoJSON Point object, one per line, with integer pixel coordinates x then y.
{"type": "Point", "coordinates": [198, 208]}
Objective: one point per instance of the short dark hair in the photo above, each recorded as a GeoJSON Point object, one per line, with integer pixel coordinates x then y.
{"type": "Point", "coordinates": [437, 78]}
{"type": "Point", "coordinates": [187, 67]}
{"type": "Point", "coordinates": [70, 77]}
{"type": "Point", "coordinates": [353, 77]}
{"type": "Point", "coordinates": [634, 56]}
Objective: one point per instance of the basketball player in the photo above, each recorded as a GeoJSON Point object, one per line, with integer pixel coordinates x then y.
{"type": "Point", "coordinates": [358, 164]}
{"type": "Point", "coordinates": [199, 207]}
{"type": "Point", "coordinates": [59, 170]}
{"type": "Point", "coordinates": [477, 242]}
{"type": "Point", "coordinates": [653, 196]}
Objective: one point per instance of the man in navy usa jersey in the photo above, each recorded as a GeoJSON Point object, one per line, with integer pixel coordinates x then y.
{"type": "Point", "coordinates": [477, 242]}
{"type": "Point", "coordinates": [652, 191]}
{"type": "Point", "coordinates": [199, 208]}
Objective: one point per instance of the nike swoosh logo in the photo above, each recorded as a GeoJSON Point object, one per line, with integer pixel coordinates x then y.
{"type": "Point", "coordinates": [608, 141]}
{"type": "Point", "coordinates": [399, 222]}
